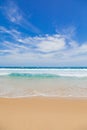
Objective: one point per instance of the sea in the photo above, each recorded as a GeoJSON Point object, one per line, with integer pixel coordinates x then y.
{"type": "Point", "coordinates": [23, 82]}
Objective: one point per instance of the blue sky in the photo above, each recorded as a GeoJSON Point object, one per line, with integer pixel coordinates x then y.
{"type": "Point", "coordinates": [43, 33]}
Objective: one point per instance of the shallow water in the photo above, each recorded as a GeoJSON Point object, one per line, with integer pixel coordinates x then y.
{"type": "Point", "coordinates": [43, 82]}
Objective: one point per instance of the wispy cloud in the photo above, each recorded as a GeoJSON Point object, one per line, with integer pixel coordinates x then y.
{"type": "Point", "coordinates": [41, 50]}
{"type": "Point", "coordinates": [15, 15]}
{"type": "Point", "coordinates": [68, 32]}
{"type": "Point", "coordinates": [13, 32]}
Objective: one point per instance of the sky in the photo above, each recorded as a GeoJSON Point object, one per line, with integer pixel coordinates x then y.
{"type": "Point", "coordinates": [43, 33]}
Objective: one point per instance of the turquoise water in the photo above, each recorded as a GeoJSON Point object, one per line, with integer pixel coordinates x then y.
{"type": "Point", "coordinates": [24, 75]}
{"type": "Point", "coordinates": [27, 82]}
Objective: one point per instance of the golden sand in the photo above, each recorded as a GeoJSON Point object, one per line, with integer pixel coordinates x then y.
{"type": "Point", "coordinates": [43, 114]}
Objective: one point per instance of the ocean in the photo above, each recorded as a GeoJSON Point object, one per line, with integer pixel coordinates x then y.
{"type": "Point", "coordinates": [18, 82]}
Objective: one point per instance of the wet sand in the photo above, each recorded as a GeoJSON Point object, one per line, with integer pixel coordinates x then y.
{"type": "Point", "coordinates": [43, 114]}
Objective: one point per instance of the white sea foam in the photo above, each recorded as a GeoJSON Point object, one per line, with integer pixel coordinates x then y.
{"type": "Point", "coordinates": [57, 72]}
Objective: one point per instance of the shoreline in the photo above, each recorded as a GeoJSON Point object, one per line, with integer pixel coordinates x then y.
{"type": "Point", "coordinates": [44, 97]}
{"type": "Point", "coordinates": [39, 113]}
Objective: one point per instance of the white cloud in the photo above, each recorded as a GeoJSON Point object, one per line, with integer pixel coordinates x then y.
{"type": "Point", "coordinates": [45, 43]}
{"type": "Point", "coordinates": [42, 50]}
{"type": "Point", "coordinates": [51, 44]}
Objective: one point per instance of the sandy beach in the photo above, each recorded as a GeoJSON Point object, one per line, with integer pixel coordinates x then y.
{"type": "Point", "coordinates": [43, 114]}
